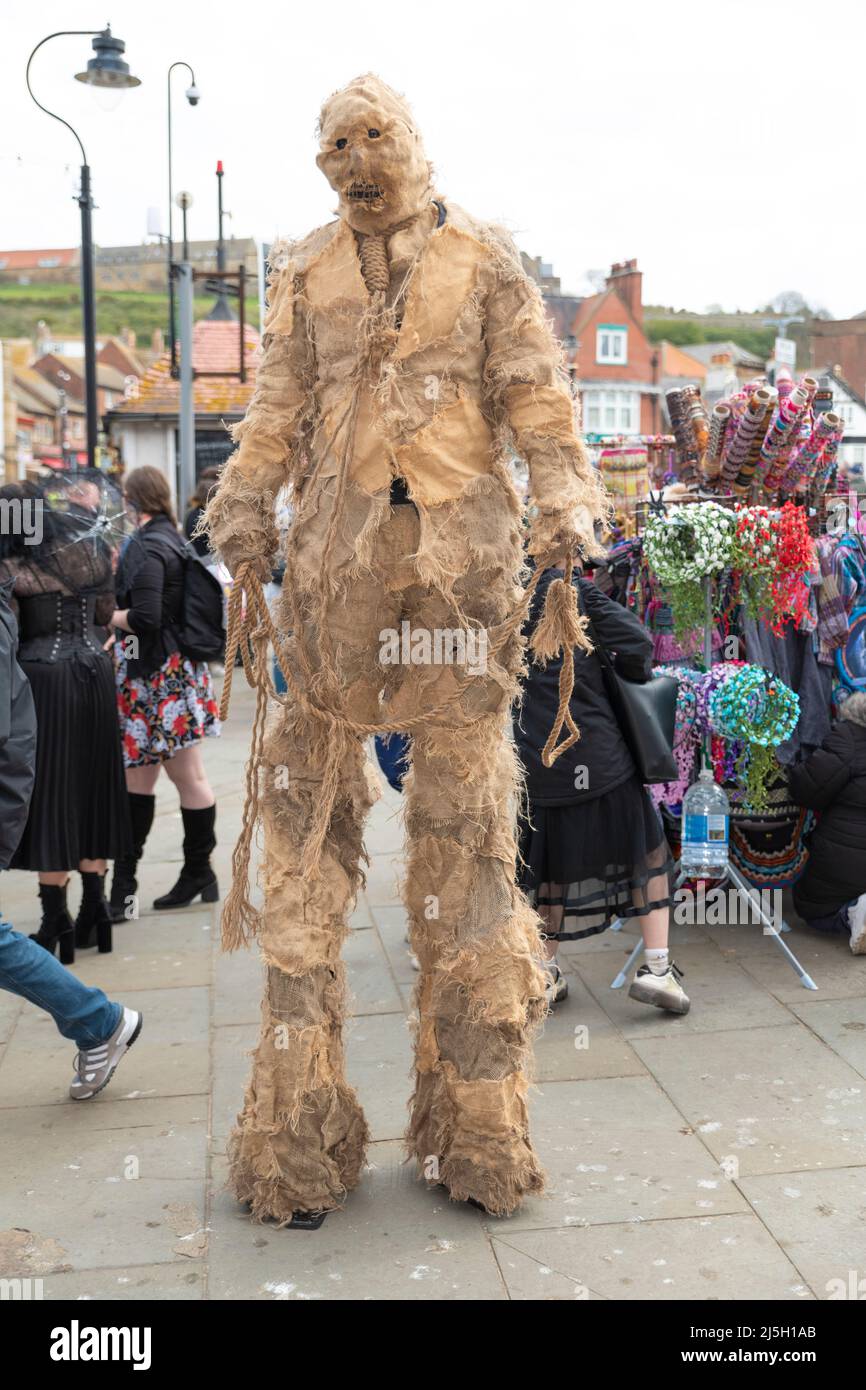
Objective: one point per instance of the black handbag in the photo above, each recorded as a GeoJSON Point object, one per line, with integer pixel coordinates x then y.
{"type": "Point", "coordinates": [645, 712]}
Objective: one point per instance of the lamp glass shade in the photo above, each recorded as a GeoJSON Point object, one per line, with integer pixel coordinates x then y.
{"type": "Point", "coordinates": [108, 69]}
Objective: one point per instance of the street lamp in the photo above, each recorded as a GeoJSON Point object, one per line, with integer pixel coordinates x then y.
{"type": "Point", "coordinates": [193, 96]}
{"type": "Point", "coordinates": [184, 202]}
{"type": "Point", "coordinates": [106, 69]}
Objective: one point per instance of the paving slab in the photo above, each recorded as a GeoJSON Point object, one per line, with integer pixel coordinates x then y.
{"type": "Point", "coordinates": [776, 1099]}
{"type": "Point", "coordinates": [394, 1239]}
{"type": "Point", "coordinates": [136, 966]}
{"type": "Point", "coordinates": [829, 961]}
{"type": "Point", "coordinates": [841, 1024]}
{"type": "Point", "coordinates": [530, 1279]}
{"type": "Point", "coordinates": [391, 925]}
{"type": "Point", "coordinates": [383, 880]}
{"type": "Point", "coordinates": [720, 1257]}
{"type": "Point", "coordinates": [232, 1064]}
{"type": "Point", "coordinates": [170, 1057]}
{"type": "Point", "coordinates": [372, 988]}
{"type": "Point", "coordinates": [102, 1193]}
{"type": "Point", "coordinates": [238, 983]}
{"type": "Point", "coordinates": [378, 1065]}
{"type": "Point", "coordinates": [184, 1281]}
{"type": "Point", "coordinates": [578, 1040]}
{"type": "Point", "coordinates": [719, 1156]}
{"type": "Point", "coordinates": [723, 996]}
{"type": "Point", "coordinates": [617, 1150]}
{"type": "Point", "coordinates": [819, 1220]}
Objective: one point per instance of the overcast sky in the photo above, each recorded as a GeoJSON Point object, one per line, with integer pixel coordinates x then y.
{"type": "Point", "coordinates": [719, 143]}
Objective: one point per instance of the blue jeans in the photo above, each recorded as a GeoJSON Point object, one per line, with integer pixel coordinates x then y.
{"type": "Point", "coordinates": [81, 1012]}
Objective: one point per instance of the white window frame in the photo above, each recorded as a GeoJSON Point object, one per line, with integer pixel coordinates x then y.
{"type": "Point", "coordinates": [611, 344]}
{"type": "Point", "coordinates": [611, 410]}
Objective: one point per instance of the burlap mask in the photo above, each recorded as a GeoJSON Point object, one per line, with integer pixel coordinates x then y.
{"type": "Point", "coordinates": [372, 156]}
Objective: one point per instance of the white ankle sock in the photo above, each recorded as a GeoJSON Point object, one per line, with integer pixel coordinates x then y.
{"type": "Point", "coordinates": [657, 960]}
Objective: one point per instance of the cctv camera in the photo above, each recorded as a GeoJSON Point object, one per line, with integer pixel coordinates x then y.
{"type": "Point", "coordinates": [193, 95]}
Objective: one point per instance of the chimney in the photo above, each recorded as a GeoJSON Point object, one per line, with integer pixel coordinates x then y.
{"type": "Point", "coordinates": [627, 280]}
{"type": "Point", "coordinates": [128, 337]}
{"type": "Point", "coordinates": [157, 342]}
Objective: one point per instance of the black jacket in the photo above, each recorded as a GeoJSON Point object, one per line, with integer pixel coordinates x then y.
{"type": "Point", "coordinates": [17, 736]}
{"type": "Point", "coordinates": [601, 749]}
{"type": "Point", "coordinates": [833, 782]}
{"type": "Point", "coordinates": [150, 586]}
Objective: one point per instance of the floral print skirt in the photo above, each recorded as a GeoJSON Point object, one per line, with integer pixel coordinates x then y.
{"type": "Point", "coordinates": [166, 712]}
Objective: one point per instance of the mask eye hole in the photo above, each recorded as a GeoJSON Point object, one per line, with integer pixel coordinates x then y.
{"type": "Point", "coordinates": [342, 143]}
{"type": "Point", "coordinates": [373, 133]}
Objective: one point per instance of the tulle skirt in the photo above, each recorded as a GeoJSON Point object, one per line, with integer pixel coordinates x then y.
{"type": "Point", "coordinates": [587, 864]}
{"type": "Point", "coordinates": [79, 807]}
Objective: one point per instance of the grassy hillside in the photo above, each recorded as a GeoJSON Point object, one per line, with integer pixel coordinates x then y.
{"type": "Point", "coordinates": [22, 306]}
{"type": "Point", "coordinates": [683, 326]}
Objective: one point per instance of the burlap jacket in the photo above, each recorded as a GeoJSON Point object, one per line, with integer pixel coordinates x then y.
{"type": "Point", "coordinates": [462, 371]}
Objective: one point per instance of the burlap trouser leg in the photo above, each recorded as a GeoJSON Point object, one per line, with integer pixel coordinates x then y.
{"type": "Point", "coordinates": [481, 988]}
{"type": "Point", "coordinates": [300, 1139]}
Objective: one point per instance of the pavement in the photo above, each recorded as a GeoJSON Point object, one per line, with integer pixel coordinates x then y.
{"type": "Point", "coordinates": [717, 1156]}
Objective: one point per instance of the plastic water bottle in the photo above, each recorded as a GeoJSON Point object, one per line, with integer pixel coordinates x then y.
{"type": "Point", "coordinates": [705, 829]}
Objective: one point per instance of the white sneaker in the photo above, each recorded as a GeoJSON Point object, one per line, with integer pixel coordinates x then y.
{"type": "Point", "coordinates": [95, 1067]}
{"type": "Point", "coordinates": [664, 991]}
{"type": "Point", "coordinates": [557, 987]}
{"type": "Point", "coordinates": [857, 923]}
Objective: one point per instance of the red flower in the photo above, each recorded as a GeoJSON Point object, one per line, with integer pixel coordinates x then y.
{"type": "Point", "coordinates": [130, 747]}
{"type": "Point", "coordinates": [174, 661]}
{"type": "Point", "coordinates": [181, 724]}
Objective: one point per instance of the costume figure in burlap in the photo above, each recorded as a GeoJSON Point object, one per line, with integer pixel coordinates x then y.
{"type": "Point", "coordinates": [405, 354]}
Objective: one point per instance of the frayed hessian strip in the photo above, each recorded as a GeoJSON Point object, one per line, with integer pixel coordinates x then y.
{"type": "Point", "coordinates": [561, 628]}
{"type": "Point", "coordinates": [481, 990]}
{"type": "Point", "coordinates": [473, 1136]}
{"type": "Point", "coordinates": [301, 1139]}
{"type": "Point", "coordinates": [308, 1167]}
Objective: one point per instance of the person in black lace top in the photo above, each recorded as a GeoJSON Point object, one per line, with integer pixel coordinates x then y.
{"type": "Point", "coordinates": [58, 560]}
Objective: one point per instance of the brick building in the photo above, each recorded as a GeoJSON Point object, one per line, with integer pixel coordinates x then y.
{"type": "Point", "coordinates": [614, 366]}
{"type": "Point", "coordinates": [145, 426]}
{"type": "Point", "coordinates": [139, 267]}
{"type": "Point", "coordinates": [842, 342]}
{"type": "Point", "coordinates": [46, 267]}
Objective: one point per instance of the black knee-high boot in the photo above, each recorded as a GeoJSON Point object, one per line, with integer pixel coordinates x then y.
{"type": "Point", "coordinates": [94, 915]}
{"type": "Point", "coordinates": [56, 928]}
{"type": "Point", "coordinates": [124, 885]}
{"type": "Point", "coordinates": [196, 876]}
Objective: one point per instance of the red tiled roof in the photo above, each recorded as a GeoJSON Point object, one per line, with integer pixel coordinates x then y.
{"type": "Point", "coordinates": [214, 349]}
{"type": "Point", "coordinates": [29, 260]}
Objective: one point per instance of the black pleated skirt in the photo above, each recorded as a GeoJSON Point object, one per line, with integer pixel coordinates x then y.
{"type": "Point", "coordinates": [79, 807]}
{"type": "Point", "coordinates": [589, 863]}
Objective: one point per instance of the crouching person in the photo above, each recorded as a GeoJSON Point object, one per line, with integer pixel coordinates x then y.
{"type": "Point", "coordinates": [831, 895]}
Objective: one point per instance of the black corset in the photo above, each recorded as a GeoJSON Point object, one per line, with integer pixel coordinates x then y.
{"type": "Point", "coordinates": [55, 627]}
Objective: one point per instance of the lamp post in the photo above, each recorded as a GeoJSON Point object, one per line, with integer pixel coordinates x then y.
{"type": "Point", "coordinates": [193, 96]}
{"type": "Point", "coordinates": [184, 202]}
{"type": "Point", "coordinates": [107, 69]}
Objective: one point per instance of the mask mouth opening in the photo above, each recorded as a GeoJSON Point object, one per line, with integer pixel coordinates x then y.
{"type": "Point", "coordinates": [365, 192]}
